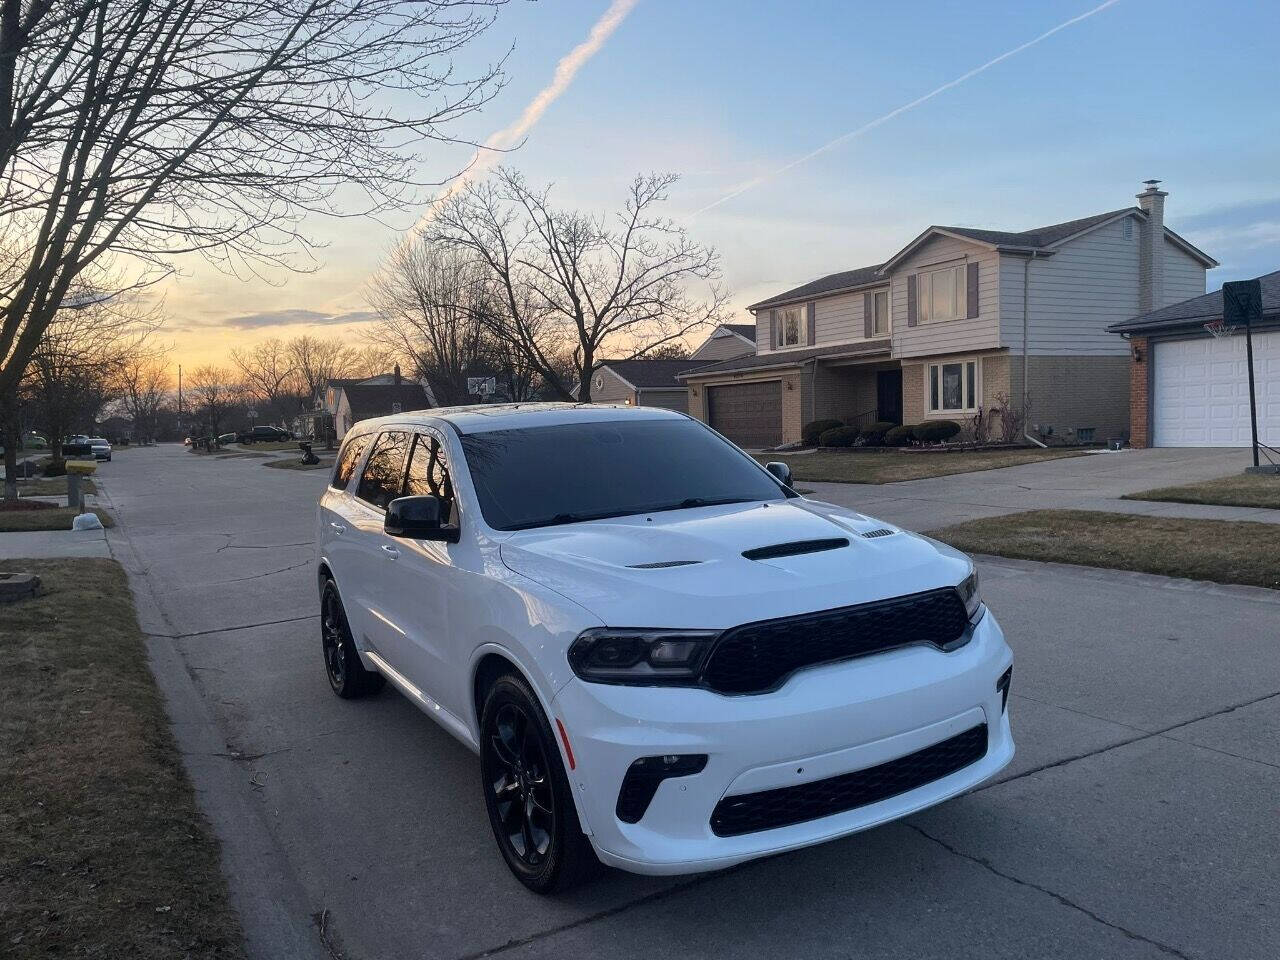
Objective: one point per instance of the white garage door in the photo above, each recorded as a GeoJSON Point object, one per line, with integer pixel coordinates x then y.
{"type": "Point", "coordinates": [1201, 392]}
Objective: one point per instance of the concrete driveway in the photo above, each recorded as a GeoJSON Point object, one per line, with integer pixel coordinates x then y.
{"type": "Point", "coordinates": [1095, 481]}
{"type": "Point", "coordinates": [1138, 820]}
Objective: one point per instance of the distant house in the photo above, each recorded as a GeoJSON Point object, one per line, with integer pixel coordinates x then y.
{"type": "Point", "coordinates": [1191, 389]}
{"type": "Point", "coordinates": [727, 341]}
{"type": "Point", "coordinates": [955, 322]}
{"type": "Point", "coordinates": [642, 383]}
{"type": "Point", "coordinates": [345, 401]}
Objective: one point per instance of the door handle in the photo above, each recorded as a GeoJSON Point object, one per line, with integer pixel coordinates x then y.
{"type": "Point", "coordinates": [390, 552]}
{"type": "Point", "coordinates": [338, 528]}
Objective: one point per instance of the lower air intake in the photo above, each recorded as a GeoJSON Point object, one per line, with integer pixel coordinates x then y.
{"type": "Point", "coordinates": [769, 809]}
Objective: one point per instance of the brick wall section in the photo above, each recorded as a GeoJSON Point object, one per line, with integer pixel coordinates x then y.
{"type": "Point", "coordinates": [1139, 394]}
{"type": "Point", "coordinates": [1067, 392]}
{"type": "Point", "coordinates": [842, 393]}
{"type": "Point", "coordinates": [913, 403]}
{"type": "Point", "coordinates": [794, 403]}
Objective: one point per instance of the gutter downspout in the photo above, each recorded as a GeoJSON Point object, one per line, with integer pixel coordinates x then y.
{"type": "Point", "coordinates": [1026, 315]}
{"type": "Point", "coordinates": [813, 391]}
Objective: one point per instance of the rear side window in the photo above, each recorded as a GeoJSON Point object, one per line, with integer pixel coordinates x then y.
{"type": "Point", "coordinates": [429, 476]}
{"type": "Point", "coordinates": [383, 475]}
{"type": "Point", "coordinates": [347, 461]}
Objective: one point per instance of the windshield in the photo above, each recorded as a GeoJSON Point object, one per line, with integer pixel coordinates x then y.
{"type": "Point", "coordinates": [589, 471]}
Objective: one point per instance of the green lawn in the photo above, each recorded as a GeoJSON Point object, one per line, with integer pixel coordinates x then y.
{"type": "Point", "coordinates": [891, 466]}
{"type": "Point", "coordinates": [57, 518]}
{"type": "Point", "coordinates": [103, 852]}
{"type": "Point", "coordinates": [1239, 490]}
{"type": "Point", "coordinates": [1224, 551]}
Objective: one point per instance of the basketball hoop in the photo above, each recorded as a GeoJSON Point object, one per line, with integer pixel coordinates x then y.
{"type": "Point", "coordinates": [1220, 328]}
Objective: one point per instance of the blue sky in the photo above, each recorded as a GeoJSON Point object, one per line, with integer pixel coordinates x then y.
{"type": "Point", "coordinates": [724, 92]}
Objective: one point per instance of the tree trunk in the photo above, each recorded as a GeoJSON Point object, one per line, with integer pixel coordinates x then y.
{"type": "Point", "coordinates": [10, 433]}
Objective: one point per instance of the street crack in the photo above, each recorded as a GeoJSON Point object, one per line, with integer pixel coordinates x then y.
{"type": "Point", "coordinates": [1065, 901]}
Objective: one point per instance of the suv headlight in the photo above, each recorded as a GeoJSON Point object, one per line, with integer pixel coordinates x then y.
{"type": "Point", "coordinates": [968, 590]}
{"type": "Point", "coordinates": [619, 655]}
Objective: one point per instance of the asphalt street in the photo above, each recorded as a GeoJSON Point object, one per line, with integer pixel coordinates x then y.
{"type": "Point", "coordinates": [1141, 817]}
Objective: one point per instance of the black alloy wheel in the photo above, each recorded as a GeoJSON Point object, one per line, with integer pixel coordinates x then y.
{"type": "Point", "coordinates": [347, 675]}
{"type": "Point", "coordinates": [527, 793]}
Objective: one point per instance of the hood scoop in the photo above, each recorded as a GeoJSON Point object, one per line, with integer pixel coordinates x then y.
{"type": "Point", "coordinates": [661, 564]}
{"type": "Point", "coordinates": [795, 549]}
{"type": "Point", "coordinates": [882, 532]}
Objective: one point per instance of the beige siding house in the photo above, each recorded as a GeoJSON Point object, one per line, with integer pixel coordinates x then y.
{"type": "Point", "coordinates": [642, 383]}
{"type": "Point", "coordinates": [937, 331]}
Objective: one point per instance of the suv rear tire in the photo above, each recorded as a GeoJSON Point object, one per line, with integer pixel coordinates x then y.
{"type": "Point", "coordinates": [527, 793]}
{"type": "Point", "coordinates": [347, 675]}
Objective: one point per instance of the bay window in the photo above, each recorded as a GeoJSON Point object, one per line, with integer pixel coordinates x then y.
{"type": "Point", "coordinates": [953, 386]}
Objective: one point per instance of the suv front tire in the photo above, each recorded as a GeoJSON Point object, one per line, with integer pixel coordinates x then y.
{"type": "Point", "coordinates": [347, 675]}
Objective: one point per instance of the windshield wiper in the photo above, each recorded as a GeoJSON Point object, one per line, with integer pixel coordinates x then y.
{"type": "Point", "coordinates": [560, 518]}
{"type": "Point", "coordinates": [690, 502]}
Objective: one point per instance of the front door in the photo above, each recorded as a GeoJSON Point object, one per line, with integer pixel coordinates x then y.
{"type": "Point", "coordinates": [889, 396]}
{"type": "Point", "coordinates": [421, 585]}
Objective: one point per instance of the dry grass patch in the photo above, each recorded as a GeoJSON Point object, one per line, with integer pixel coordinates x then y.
{"type": "Point", "coordinates": [1241, 490]}
{"type": "Point", "coordinates": [892, 466]}
{"type": "Point", "coordinates": [52, 487]}
{"type": "Point", "coordinates": [1224, 551]}
{"type": "Point", "coordinates": [283, 464]}
{"type": "Point", "coordinates": [44, 517]}
{"type": "Point", "coordinates": [267, 445]}
{"type": "Point", "coordinates": [102, 850]}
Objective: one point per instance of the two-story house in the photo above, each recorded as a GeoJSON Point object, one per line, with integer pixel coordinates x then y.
{"type": "Point", "coordinates": [953, 323]}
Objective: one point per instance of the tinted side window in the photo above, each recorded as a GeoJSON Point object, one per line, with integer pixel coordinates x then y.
{"type": "Point", "coordinates": [384, 470]}
{"type": "Point", "coordinates": [347, 460]}
{"type": "Point", "coordinates": [429, 476]}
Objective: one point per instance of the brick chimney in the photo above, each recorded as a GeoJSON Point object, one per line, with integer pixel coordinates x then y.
{"type": "Point", "coordinates": [1151, 248]}
{"type": "Point", "coordinates": [397, 375]}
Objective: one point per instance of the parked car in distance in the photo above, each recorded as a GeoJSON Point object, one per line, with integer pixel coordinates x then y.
{"type": "Point", "coordinates": [263, 433]}
{"type": "Point", "coordinates": [226, 438]}
{"type": "Point", "coordinates": [100, 448]}
{"type": "Point", "coordinates": [666, 658]}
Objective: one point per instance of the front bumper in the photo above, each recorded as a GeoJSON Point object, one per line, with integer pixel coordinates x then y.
{"type": "Point", "coordinates": [823, 722]}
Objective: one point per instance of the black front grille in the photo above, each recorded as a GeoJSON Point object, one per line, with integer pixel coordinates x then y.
{"type": "Point", "coordinates": [769, 809]}
{"type": "Point", "coordinates": [758, 656]}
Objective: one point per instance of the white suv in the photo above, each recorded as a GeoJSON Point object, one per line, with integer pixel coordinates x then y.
{"type": "Point", "coordinates": [665, 657]}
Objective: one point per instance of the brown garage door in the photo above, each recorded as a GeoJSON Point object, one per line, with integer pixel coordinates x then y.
{"type": "Point", "coordinates": [749, 414]}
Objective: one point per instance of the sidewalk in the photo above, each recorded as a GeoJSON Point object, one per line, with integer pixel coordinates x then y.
{"type": "Point", "coordinates": [1080, 483]}
{"type": "Point", "coordinates": [54, 543]}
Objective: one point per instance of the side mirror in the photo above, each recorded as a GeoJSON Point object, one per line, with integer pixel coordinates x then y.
{"type": "Point", "coordinates": [417, 518]}
{"type": "Point", "coordinates": [780, 471]}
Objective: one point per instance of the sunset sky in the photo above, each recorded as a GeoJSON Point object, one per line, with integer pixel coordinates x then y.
{"type": "Point", "coordinates": [730, 94]}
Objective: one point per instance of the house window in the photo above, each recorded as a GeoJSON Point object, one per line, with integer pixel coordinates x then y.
{"type": "Point", "coordinates": [790, 323]}
{"type": "Point", "coordinates": [953, 387]}
{"type": "Point", "coordinates": [880, 303]}
{"type": "Point", "coordinates": [942, 294]}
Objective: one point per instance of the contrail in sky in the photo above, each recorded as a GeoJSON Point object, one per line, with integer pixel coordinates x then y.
{"type": "Point", "coordinates": [513, 133]}
{"type": "Point", "coordinates": [871, 125]}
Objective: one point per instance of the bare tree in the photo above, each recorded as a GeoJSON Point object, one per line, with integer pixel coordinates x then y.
{"type": "Point", "coordinates": [145, 388]}
{"type": "Point", "coordinates": [134, 131]}
{"type": "Point", "coordinates": [372, 359]}
{"type": "Point", "coordinates": [267, 372]}
{"type": "Point", "coordinates": [569, 283]}
{"type": "Point", "coordinates": [75, 369]}
{"type": "Point", "coordinates": [433, 309]}
{"type": "Point", "coordinates": [317, 360]}
{"type": "Point", "coordinates": [213, 391]}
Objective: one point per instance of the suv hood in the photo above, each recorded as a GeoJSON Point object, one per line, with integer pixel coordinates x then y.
{"type": "Point", "coordinates": [686, 568]}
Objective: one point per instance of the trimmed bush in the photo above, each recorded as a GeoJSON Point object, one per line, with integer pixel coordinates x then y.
{"type": "Point", "coordinates": [54, 468]}
{"type": "Point", "coordinates": [816, 428]}
{"type": "Point", "coordinates": [838, 437]}
{"type": "Point", "coordinates": [935, 431]}
{"type": "Point", "coordinates": [873, 436]}
{"type": "Point", "coordinates": [899, 436]}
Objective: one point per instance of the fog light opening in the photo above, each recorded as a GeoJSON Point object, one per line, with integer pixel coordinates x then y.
{"type": "Point", "coordinates": [646, 774]}
{"type": "Point", "coordinates": [1003, 686]}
